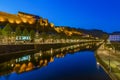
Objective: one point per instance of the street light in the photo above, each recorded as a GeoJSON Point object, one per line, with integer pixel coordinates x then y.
{"type": "Point", "coordinates": [109, 43]}
{"type": "Point", "coordinates": [109, 59]}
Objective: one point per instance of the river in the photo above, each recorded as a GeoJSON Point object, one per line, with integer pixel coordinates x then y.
{"type": "Point", "coordinates": [59, 64]}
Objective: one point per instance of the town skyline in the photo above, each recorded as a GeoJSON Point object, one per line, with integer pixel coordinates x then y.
{"type": "Point", "coordinates": [59, 40]}
{"type": "Point", "coordinates": [86, 14]}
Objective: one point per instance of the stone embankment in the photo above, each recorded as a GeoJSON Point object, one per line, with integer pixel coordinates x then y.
{"type": "Point", "coordinates": [109, 60]}
{"type": "Point", "coordinates": [13, 49]}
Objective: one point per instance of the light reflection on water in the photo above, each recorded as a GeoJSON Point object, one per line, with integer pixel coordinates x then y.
{"type": "Point", "coordinates": [56, 65]}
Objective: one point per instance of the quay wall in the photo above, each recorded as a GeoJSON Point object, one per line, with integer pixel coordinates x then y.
{"type": "Point", "coordinates": [11, 49]}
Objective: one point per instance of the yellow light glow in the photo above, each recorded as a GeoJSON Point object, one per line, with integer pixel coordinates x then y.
{"type": "Point", "coordinates": [23, 68]}
{"type": "Point", "coordinates": [45, 61]}
{"type": "Point", "coordinates": [41, 62]}
{"type": "Point", "coordinates": [27, 16]}
{"type": "Point", "coordinates": [51, 59]}
{"type": "Point", "coordinates": [41, 22]}
{"type": "Point", "coordinates": [11, 20]}
{"type": "Point", "coordinates": [46, 24]}
{"type": "Point", "coordinates": [18, 21]}
{"type": "Point", "coordinates": [31, 21]}
{"type": "Point", "coordinates": [24, 20]}
{"type": "Point", "coordinates": [51, 24]}
{"type": "Point", "coordinates": [2, 19]}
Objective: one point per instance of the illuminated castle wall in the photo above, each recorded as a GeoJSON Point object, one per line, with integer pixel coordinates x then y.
{"type": "Point", "coordinates": [22, 17]}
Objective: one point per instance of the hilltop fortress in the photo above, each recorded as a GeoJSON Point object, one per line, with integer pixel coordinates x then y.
{"type": "Point", "coordinates": [35, 22]}
{"type": "Point", "coordinates": [22, 17]}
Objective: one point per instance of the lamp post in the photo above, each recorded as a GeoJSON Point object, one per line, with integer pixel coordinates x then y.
{"type": "Point", "coordinates": [109, 59]}
{"type": "Point", "coordinates": [109, 49]}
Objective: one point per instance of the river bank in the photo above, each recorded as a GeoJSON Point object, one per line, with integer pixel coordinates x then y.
{"type": "Point", "coordinates": [110, 61]}
{"type": "Point", "coordinates": [63, 64]}
{"type": "Point", "coordinates": [15, 51]}
{"type": "Point", "coordinates": [13, 48]}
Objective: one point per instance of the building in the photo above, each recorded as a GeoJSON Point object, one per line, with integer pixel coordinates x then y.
{"type": "Point", "coordinates": [115, 37]}
{"type": "Point", "coordinates": [27, 15]}
{"type": "Point", "coordinates": [23, 38]}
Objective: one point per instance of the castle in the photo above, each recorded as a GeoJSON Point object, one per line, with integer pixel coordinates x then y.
{"type": "Point", "coordinates": [22, 17]}
{"type": "Point", "coordinates": [36, 23]}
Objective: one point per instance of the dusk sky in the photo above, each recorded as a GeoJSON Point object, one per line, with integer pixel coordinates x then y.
{"type": "Point", "coordinates": [88, 14]}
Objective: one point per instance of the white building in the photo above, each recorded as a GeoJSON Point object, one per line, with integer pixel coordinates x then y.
{"type": "Point", "coordinates": [23, 38]}
{"type": "Point", "coordinates": [115, 37]}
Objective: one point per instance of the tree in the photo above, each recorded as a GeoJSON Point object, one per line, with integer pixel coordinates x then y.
{"type": "Point", "coordinates": [32, 35]}
{"type": "Point", "coordinates": [18, 31]}
{"type": "Point", "coordinates": [0, 32]}
{"type": "Point", "coordinates": [25, 32]}
{"type": "Point", "coordinates": [7, 30]}
{"type": "Point", "coordinates": [105, 36]}
{"type": "Point", "coordinates": [44, 35]}
{"type": "Point", "coordinates": [1, 37]}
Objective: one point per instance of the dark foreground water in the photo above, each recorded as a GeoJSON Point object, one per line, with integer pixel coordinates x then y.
{"type": "Point", "coordinates": [78, 66]}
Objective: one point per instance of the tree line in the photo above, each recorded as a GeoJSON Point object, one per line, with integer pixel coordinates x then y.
{"type": "Point", "coordinates": [8, 32]}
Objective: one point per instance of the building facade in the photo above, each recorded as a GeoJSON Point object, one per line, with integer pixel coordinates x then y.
{"type": "Point", "coordinates": [115, 37]}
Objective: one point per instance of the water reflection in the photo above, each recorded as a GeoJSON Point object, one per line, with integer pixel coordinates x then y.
{"type": "Point", "coordinates": [98, 65]}
{"type": "Point", "coordinates": [24, 58]}
{"type": "Point", "coordinates": [40, 59]}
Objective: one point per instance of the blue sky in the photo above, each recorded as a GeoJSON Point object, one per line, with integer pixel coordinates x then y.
{"type": "Point", "coordinates": [88, 14]}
